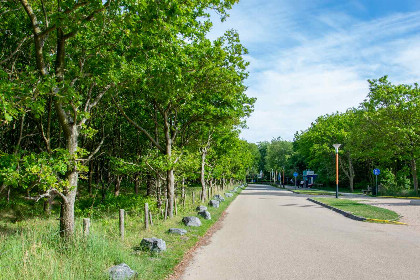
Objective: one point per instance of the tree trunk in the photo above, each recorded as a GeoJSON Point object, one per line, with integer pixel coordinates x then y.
{"type": "Point", "coordinates": [149, 185]}
{"type": "Point", "coordinates": [90, 178]}
{"type": "Point", "coordinates": [348, 170]}
{"type": "Point", "coordinates": [158, 195]}
{"type": "Point", "coordinates": [137, 183]}
{"type": "Point", "coordinates": [351, 182]}
{"type": "Point", "coordinates": [48, 204]}
{"type": "Point", "coordinates": [67, 223]}
{"type": "Point", "coordinates": [202, 176]}
{"type": "Point", "coordinates": [414, 173]}
{"type": "Point", "coordinates": [102, 180]}
{"type": "Point", "coordinates": [352, 175]}
{"type": "Point", "coordinates": [183, 188]}
{"type": "Point", "coordinates": [117, 186]}
{"type": "Point", "coordinates": [67, 215]}
{"type": "Point", "coordinates": [170, 178]}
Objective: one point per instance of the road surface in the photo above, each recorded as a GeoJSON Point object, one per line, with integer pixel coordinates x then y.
{"type": "Point", "coordinates": [270, 233]}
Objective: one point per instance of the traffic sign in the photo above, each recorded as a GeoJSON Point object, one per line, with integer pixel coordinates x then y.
{"type": "Point", "coordinates": [295, 174]}
{"type": "Point", "coordinates": [376, 171]}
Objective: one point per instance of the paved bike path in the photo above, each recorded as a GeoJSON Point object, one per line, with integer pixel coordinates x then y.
{"type": "Point", "coordinates": [270, 233]}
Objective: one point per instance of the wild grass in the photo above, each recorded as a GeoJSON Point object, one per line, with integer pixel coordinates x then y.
{"type": "Point", "coordinates": [32, 249]}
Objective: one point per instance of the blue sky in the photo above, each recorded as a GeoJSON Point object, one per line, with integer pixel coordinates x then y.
{"type": "Point", "coordinates": [313, 57]}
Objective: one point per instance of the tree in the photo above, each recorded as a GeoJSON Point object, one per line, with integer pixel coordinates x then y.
{"type": "Point", "coordinates": [262, 147]}
{"type": "Point", "coordinates": [185, 80]}
{"type": "Point", "coordinates": [315, 144]}
{"type": "Point", "coordinates": [278, 154]}
{"type": "Point", "coordinates": [392, 117]}
{"type": "Point", "coordinates": [64, 62]}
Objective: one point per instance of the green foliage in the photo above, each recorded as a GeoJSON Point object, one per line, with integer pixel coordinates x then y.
{"type": "Point", "coordinates": [393, 184]}
{"type": "Point", "coordinates": [95, 207]}
{"type": "Point", "coordinates": [76, 106]}
{"type": "Point", "coordinates": [389, 182]}
{"type": "Point", "coordinates": [278, 154]}
{"type": "Point", "coordinates": [38, 170]}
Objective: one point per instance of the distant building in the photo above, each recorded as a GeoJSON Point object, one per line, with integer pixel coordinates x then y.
{"type": "Point", "coordinates": [308, 178]}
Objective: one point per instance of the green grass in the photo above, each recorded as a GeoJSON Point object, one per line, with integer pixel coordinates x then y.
{"type": "Point", "coordinates": [32, 248]}
{"type": "Point", "coordinates": [403, 197]}
{"type": "Point", "coordinates": [315, 192]}
{"type": "Point", "coordinates": [360, 209]}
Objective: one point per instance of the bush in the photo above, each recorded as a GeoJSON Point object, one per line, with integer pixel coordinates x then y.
{"type": "Point", "coordinates": [395, 184]}
{"type": "Point", "coordinates": [94, 206]}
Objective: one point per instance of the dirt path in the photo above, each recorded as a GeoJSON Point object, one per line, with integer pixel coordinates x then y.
{"type": "Point", "coordinates": [273, 234]}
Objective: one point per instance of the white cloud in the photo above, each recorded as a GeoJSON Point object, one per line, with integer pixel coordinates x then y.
{"type": "Point", "coordinates": [308, 61]}
{"type": "Point", "coordinates": [288, 102]}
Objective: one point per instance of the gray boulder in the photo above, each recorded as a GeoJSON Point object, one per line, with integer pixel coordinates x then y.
{"type": "Point", "coordinates": [121, 272]}
{"type": "Point", "coordinates": [201, 208]}
{"type": "Point", "coordinates": [153, 244]}
{"type": "Point", "coordinates": [191, 221]}
{"type": "Point", "coordinates": [228, 194]}
{"type": "Point", "coordinates": [205, 214]}
{"type": "Point", "coordinates": [214, 203]}
{"type": "Point", "coordinates": [178, 231]}
{"type": "Point", "coordinates": [219, 197]}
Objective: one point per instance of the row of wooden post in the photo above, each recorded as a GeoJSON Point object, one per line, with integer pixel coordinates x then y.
{"type": "Point", "coordinates": [148, 221]}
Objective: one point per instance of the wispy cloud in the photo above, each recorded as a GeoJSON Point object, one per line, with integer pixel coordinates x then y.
{"type": "Point", "coordinates": [309, 60]}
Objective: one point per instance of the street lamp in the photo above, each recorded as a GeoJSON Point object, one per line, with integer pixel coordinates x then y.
{"type": "Point", "coordinates": [336, 146]}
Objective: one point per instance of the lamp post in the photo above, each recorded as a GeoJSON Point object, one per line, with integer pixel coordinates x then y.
{"type": "Point", "coordinates": [336, 146]}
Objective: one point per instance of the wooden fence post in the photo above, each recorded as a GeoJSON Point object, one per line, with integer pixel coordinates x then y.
{"type": "Point", "coordinates": [146, 215]}
{"type": "Point", "coordinates": [151, 220]}
{"type": "Point", "coordinates": [166, 209]}
{"type": "Point", "coordinates": [86, 227]}
{"type": "Point", "coordinates": [122, 224]}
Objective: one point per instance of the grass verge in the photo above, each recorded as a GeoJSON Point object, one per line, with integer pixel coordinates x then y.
{"type": "Point", "coordinates": [372, 213]}
{"type": "Point", "coordinates": [32, 249]}
{"type": "Point", "coordinates": [315, 192]}
{"type": "Point", "coordinates": [401, 197]}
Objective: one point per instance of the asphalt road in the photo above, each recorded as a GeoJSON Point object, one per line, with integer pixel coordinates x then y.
{"type": "Point", "coordinates": [274, 234]}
